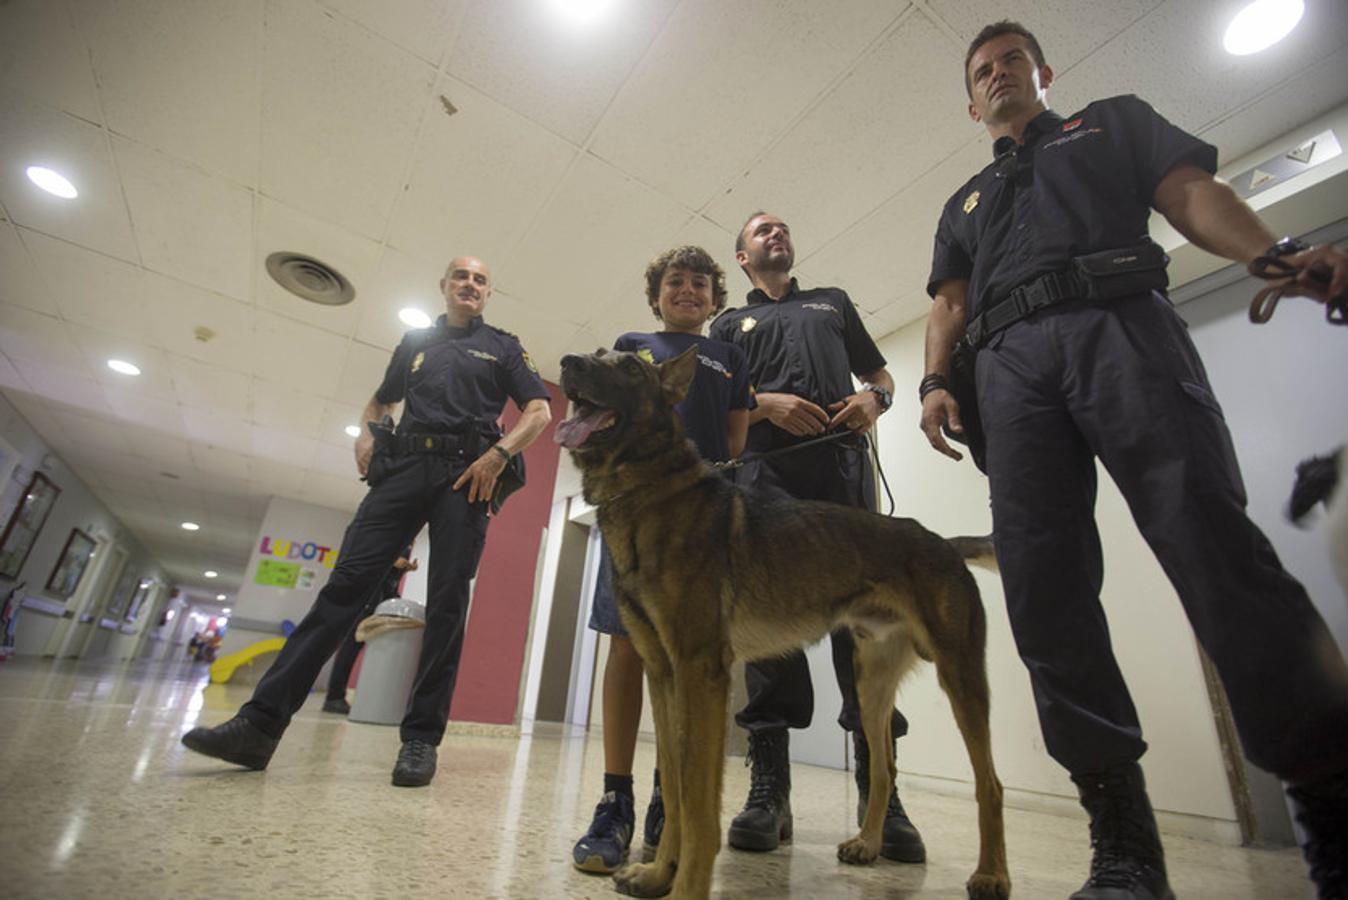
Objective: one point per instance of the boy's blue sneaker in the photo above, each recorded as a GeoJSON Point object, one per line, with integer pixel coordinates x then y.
{"type": "Point", "coordinates": [604, 847]}
{"type": "Point", "coordinates": [655, 825]}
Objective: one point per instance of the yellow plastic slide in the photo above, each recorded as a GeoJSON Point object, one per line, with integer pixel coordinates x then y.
{"type": "Point", "coordinates": [223, 668]}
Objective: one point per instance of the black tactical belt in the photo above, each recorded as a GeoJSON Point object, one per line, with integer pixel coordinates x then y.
{"type": "Point", "coordinates": [435, 444]}
{"type": "Point", "coordinates": [1046, 290]}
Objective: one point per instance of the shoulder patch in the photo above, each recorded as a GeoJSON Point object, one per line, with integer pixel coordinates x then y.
{"type": "Point", "coordinates": [528, 361]}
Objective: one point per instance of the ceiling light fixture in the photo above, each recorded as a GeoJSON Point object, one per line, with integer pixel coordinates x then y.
{"type": "Point", "coordinates": [353, 430]}
{"type": "Point", "coordinates": [226, 611]}
{"type": "Point", "coordinates": [210, 573]}
{"type": "Point", "coordinates": [220, 597]}
{"type": "Point", "coordinates": [123, 367]}
{"type": "Point", "coordinates": [191, 526]}
{"type": "Point", "coordinates": [582, 12]}
{"type": "Point", "coordinates": [1261, 25]}
{"type": "Point", "coordinates": [414, 318]}
{"type": "Point", "coordinates": [52, 182]}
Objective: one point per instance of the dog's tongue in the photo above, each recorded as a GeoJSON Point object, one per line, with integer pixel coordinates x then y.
{"type": "Point", "coordinates": [576, 430]}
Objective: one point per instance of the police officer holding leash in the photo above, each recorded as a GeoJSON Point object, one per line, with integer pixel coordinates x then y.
{"type": "Point", "coordinates": [441, 466]}
{"type": "Point", "coordinates": [1042, 265]}
{"type": "Point", "coordinates": [803, 346]}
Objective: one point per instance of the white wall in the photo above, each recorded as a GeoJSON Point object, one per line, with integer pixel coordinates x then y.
{"type": "Point", "coordinates": [1152, 639]}
{"type": "Point", "coordinates": [259, 609]}
{"type": "Point", "coordinates": [76, 507]}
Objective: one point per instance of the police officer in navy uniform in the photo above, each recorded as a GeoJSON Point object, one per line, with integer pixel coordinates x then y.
{"type": "Point", "coordinates": [440, 468]}
{"type": "Point", "coordinates": [1086, 359]}
{"type": "Point", "coordinates": [803, 346]}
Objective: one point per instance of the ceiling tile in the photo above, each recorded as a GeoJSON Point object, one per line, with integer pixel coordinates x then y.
{"type": "Point", "coordinates": [224, 431]}
{"type": "Point", "coordinates": [27, 335]}
{"type": "Point", "coordinates": [338, 462]}
{"type": "Point", "coordinates": [94, 433]}
{"type": "Point", "coordinates": [340, 112]}
{"type": "Point", "coordinates": [280, 444]}
{"type": "Point", "coordinates": [300, 356]}
{"type": "Point", "coordinates": [189, 225]}
{"type": "Point", "coordinates": [361, 375]}
{"type": "Point", "coordinates": [515, 52]}
{"type": "Point", "coordinates": [155, 378]}
{"type": "Point", "coordinates": [196, 323]}
{"type": "Point", "coordinates": [89, 288]}
{"type": "Point", "coordinates": [600, 225]}
{"type": "Point", "coordinates": [478, 178]}
{"type": "Point", "coordinates": [821, 184]}
{"type": "Point", "coordinates": [42, 56]}
{"type": "Point", "coordinates": [401, 280]}
{"type": "Point", "coordinates": [61, 385]}
{"type": "Point", "coordinates": [282, 229]}
{"type": "Point", "coordinates": [712, 92]}
{"type": "Point", "coordinates": [211, 388]}
{"type": "Point", "coordinates": [20, 284]}
{"type": "Point", "coordinates": [149, 415]}
{"type": "Point", "coordinates": [277, 406]}
{"type": "Point", "coordinates": [182, 77]}
{"type": "Point", "coordinates": [421, 26]}
{"type": "Point", "coordinates": [220, 462]}
{"type": "Point", "coordinates": [336, 417]}
{"type": "Point", "coordinates": [38, 135]}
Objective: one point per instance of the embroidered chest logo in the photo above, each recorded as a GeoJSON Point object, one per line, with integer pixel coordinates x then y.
{"type": "Point", "coordinates": [821, 306]}
{"type": "Point", "coordinates": [417, 361]}
{"type": "Point", "coordinates": [1074, 136]}
{"type": "Point", "coordinates": [479, 354]}
{"type": "Point", "coordinates": [747, 324]}
{"type": "Point", "coordinates": [971, 202]}
{"type": "Point", "coordinates": [715, 365]}
{"type": "Point", "coordinates": [646, 354]}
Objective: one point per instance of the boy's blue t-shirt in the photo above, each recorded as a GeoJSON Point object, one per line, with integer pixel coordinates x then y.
{"type": "Point", "coordinates": [720, 385]}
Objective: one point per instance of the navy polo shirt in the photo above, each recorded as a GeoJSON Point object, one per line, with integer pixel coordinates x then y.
{"type": "Point", "coordinates": [452, 377]}
{"type": "Point", "coordinates": [720, 385]}
{"type": "Point", "coordinates": [1074, 186]}
{"type": "Point", "coordinates": [808, 343]}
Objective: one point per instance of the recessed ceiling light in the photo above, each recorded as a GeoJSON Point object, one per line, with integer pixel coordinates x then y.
{"type": "Point", "coordinates": [226, 611]}
{"type": "Point", "coordinates": [353, 430]}
{"type": "Point", "coordinates": [124, 367]}
{"type": "Point", "coordinates": [191, 526]}
{"type": "Point", "coordinates": [582, 12]}
{"type": "Point", "coordinates": [1261, 25]}
{"type": "Point", "coordinates": [414, 318]}
{"type": "Point", "coordinates": [210, 573]}
{"type": "Point", "coordinates": [52, 182]}
{"type": "Point", "coordinates": [220, 597]}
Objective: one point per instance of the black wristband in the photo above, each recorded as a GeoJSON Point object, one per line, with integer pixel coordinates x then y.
{"type": "Point", "coordinates": [934, 381]}
{"type": "Point", "coordinates": [505, 454]}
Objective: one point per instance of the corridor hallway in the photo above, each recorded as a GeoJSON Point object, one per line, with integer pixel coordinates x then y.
{"type": "Point", "coordinates": [98, 799]}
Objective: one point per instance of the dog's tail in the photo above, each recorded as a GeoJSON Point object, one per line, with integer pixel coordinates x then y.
{"type": "Point", "coordinates": [977, 551]}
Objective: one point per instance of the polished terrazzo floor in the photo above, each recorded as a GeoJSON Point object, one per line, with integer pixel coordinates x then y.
{"type": "Point", "coordinates": [98, 799]}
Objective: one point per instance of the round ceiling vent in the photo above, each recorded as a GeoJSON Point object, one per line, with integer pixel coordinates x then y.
{"type": "Point", "coordinates": [309, 279]}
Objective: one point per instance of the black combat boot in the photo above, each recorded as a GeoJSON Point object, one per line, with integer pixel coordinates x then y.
{"type": "Point", "coordinates": [765, 820]}
{"type": "Point", "coordinates": [236, 741]}
{"type": "Point", "coordinates": [1128, 863]}
{"type": "Point", "coordinates": [1322, 811]}
{"type": "Point", "coordinates": [416, 764]}
{"type": "Point", "coordinates": [900, 841]}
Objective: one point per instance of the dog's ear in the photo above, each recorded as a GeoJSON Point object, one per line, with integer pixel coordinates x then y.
{"type": "Point", "coordinates": [677, 374]}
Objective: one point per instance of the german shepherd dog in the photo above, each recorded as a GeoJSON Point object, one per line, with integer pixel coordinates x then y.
{"type": "Point", "coordinates": [706, 572]}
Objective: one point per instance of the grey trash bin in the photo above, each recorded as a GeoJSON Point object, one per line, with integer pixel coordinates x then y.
{"type": "Point", "coordinates": [389, 667]}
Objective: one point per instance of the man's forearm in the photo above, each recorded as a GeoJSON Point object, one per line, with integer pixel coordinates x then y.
{"type": "Point", "coordinates": [374, 411]}
{"type": "Point", "coordinates": [1210, 215]}
{"type": "Point", "coordinates": [533, 419]}
{"type": "Point", "coordinates": [945, 327]}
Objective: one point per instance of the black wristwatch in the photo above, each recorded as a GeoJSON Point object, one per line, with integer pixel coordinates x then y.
{"type": "Point", "coordinates": [1286, 247]}
{"type": "Point", "coordinates": [885, 397]}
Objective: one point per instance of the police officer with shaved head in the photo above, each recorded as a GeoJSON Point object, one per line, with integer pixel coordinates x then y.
{"type": "Point", "coordinates": [441, 468]}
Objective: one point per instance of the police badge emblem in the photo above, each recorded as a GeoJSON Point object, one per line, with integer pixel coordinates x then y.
{"type": "Point", "coordinates": [748, 323]}
{"type": "Point", "coordinates": [417, 361]}
{"type": "Point", "coordinates": [646, 354]}
{"type": "Point", "coordinates": [970, 202]}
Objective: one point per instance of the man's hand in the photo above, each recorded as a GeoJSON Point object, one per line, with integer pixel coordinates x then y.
{"type": "Point", "coordinates": [481, 476]}
{"type": "Point", "coordinates": [857, 412]}
{"type": "Point", "coordinates": [939, 408]}
{"type": "Point", "coordinates": [793, 414]}
{"type": "Point", "coordinates": [364, 450]}
{"type": "Point", "coordinates": [1328, 262]}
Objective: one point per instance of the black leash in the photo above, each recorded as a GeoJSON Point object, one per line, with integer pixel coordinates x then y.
{"type": "Point", "coordinates": [731, 464]}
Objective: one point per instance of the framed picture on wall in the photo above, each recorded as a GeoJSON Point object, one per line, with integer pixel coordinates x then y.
{"type": "Point", "coordinates": [70, 567]}
{"type": "Point", "coordinates": [28, 518]}
{"type": "Point", "coordinates": [138, 599]}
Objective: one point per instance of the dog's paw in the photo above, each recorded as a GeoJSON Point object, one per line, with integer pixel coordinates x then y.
{"type": "Point", "coordinates": [856, 852]}
{"type": "Point", "coordinates": [988, 887]}
{"type": "Point", "coordinates": [644, 880]}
